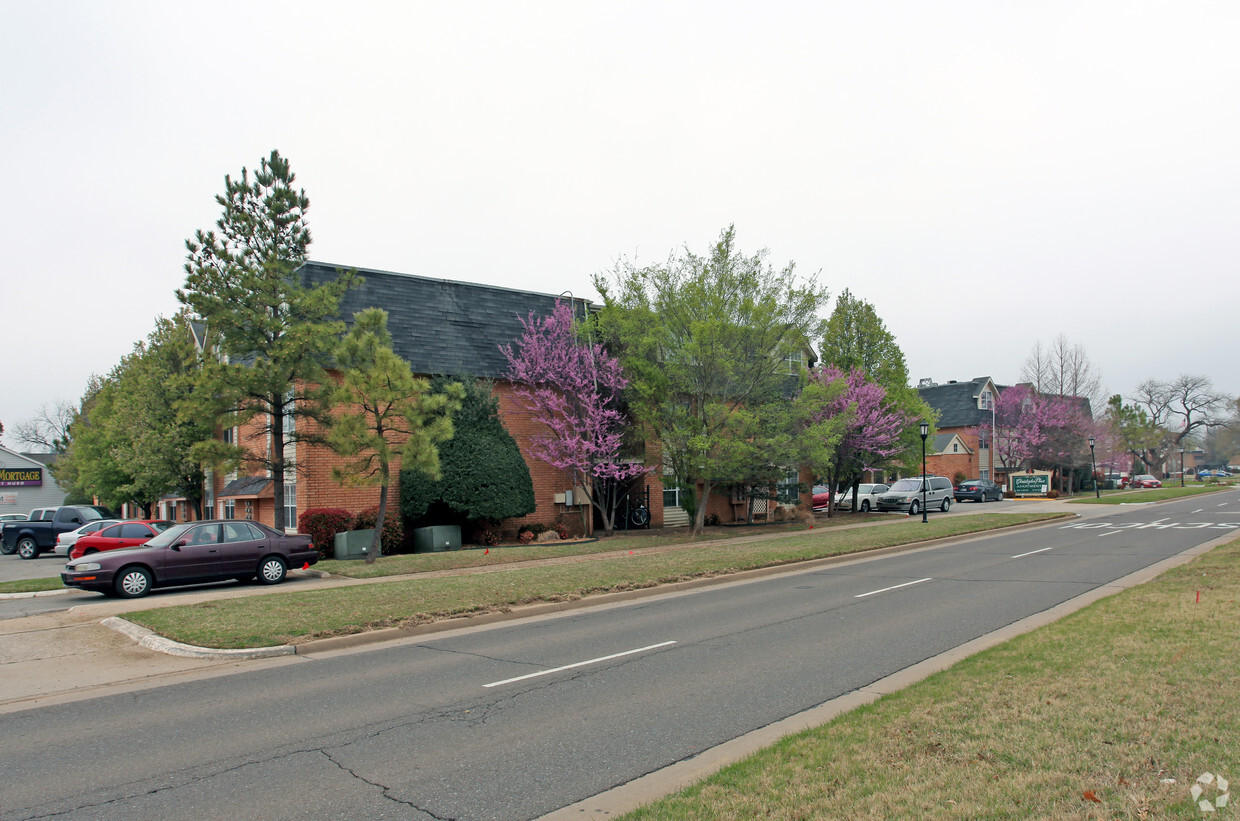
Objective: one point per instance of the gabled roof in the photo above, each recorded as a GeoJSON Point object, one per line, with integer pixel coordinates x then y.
{"type": "Point", "coordinates": [942, 441]}
{"type": "Point", "coordinates": [440, 326]}
{"type": "Point", "coordinates": [247, 487]}
{"type": "Point", "coordinates": [957, 402]}
{"type": "Point", "coordinates": [41, 459]}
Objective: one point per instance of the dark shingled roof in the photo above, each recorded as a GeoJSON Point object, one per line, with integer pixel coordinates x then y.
{"type": "Point", "coordinates": [246, 486]}
{"type": "Point", "coordinates": [440, 326]}
{"type": "Point", "coordinates": [956, 403]}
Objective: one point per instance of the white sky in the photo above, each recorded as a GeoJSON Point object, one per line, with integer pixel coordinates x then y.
{"type": "Point", "coordinates": [988, 174]}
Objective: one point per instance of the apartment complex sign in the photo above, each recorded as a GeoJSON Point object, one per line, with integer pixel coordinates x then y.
{"type": "Point", "coordinates": [1031, 484]}
{"type": "Point", "coordinates": [21, 477]}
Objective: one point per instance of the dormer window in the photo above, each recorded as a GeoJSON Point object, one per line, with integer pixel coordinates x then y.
{"type": "Point", "coordinates": [986, 401]}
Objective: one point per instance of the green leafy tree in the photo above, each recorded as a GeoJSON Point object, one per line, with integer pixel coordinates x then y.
{"type": "Point", "coordinates": [128, 445]}
{"type": "Point", "coordinates": [271, 333]}
{"type": "Point", "coordinates": [856, 338]}
{"type": "Point", "coordinates": [387, 411]}
{"type": "Point", "coordinates": [706, 340]}
{"type": "Point", "coordinates": [482, 473]}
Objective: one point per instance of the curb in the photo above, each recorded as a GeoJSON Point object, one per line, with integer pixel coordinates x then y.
{"type": "Point", "coordinates": [36, 594]}
{"type": "Point", "coordinates": [153, 641]}
{"type": "Point", "coordinates": [150, 640]}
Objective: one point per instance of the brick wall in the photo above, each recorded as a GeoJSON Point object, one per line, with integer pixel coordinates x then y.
{"type": "Point", "coordinates": [316, 488]}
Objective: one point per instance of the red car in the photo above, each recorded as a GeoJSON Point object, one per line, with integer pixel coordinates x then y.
{"type": "Point", "coordinates": [1144, 480]}
{"type": "Point", "coordinates": [122, 534]}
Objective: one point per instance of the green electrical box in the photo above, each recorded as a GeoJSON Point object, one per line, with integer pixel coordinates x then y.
{"type": "Point", "coordinates": [436, 539]}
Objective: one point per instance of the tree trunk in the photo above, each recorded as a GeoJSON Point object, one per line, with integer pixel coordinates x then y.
{"type": "Point", "coordinates": [699, 520]}
{"type": "Point", "coordinates": [376, 541]}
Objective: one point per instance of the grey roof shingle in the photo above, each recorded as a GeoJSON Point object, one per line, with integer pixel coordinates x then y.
{"type": "Point", "coordinates": [440, 326]}
{"type": "Point", "coordinates": [956, 403]}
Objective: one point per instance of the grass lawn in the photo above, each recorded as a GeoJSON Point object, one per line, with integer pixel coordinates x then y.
{"type": "Point", "coordinates": [1110, 713]}
{"type": "Point", "coordinates": [31, 585]}
{"type": "Point", "coordinates": [279, 618]}
{"type": "Point", "coordinates": [1155, 494]}
{"type": "Point", "coordinates": [510, 554]}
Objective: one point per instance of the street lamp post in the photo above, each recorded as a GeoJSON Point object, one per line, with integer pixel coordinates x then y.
{"type": "Point", "coordinates": [1181, 467]}
{"type": "Point", "coordinates": [1094, 467]}
{"type": "Point", "coordinates": [925, 430]}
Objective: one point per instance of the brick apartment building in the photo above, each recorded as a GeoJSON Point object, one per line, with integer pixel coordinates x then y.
{"type": "Point", "coordinates": [440, 327]}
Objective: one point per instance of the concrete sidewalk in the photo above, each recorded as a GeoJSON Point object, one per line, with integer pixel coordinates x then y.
{"type": "Point", "coordinates": [72, 654]}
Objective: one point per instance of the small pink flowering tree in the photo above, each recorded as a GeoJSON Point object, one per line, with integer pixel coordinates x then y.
{"type": "Point", "coordinates": [868, 430]}
{"type": "Point", "coordinates": [572, 389]}
{"type": "Point", "coordinates": [1033, 429]}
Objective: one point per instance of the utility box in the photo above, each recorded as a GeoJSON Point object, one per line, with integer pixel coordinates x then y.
{"type": "Point", "coordinates": [352, 544]}
{"type": "Point", "coordinates": [436, 539]}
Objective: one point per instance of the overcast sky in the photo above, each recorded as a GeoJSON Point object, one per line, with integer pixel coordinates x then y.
{"type": "Point", "coordinates": [987, 174]}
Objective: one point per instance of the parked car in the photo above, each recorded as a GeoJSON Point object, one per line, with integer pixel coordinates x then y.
{"type": "Point", "coordinates": [65, 541]}
{"type": "Point", "coordinates": [12, 517]}
{"type": "Point", "coordinates": [977, 490]}
{"type": "Point", "coordinates": [867, 497]}
{"type": "Point", "coordinates": [906, 494]}
{"type": "Point", "coordinates": [1213, 474]}
{"type": "Point", "coordinates": [193, 553]}
{"type": "Point", "coordinates": [822, 497]}
{"type": "Point", "coordinates": [1144, 480]}
{"type": "Point", "coordinates": [34, 536]}
{"type": "Point", "coordinates": [122, 534]}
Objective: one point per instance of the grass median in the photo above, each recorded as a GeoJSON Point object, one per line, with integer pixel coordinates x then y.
{"type": "Point", "coordinates": [1112, 712]}
{"type": "Point", "coordinates": [280, 618]}
{"type": "Point", "coordinates": [31, 585]}
{"type": "Point", "coordinates": [1144, 495]}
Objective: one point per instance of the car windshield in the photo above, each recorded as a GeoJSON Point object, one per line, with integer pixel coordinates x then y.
{"type": "Point", "coordinates": [865, 488]}
{"type": "Point", "coordinates": [905, 485]}
{"type": "Point", "coordinates": [168, 536]}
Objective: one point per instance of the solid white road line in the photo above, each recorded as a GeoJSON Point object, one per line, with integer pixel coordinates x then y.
{"type": "Point", "coordinates": [579, 664]}
{"type": "Point", "coordinates": [1031, 552]}
{"type": "Point", "coordinates": [885, 589]}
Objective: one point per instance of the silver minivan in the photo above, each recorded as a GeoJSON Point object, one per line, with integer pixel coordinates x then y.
{"type": "Point", "coordinates": [906, 495]}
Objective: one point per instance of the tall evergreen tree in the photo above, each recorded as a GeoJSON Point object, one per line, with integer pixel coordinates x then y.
{"type": "Point", "coordinates": [272, 334]}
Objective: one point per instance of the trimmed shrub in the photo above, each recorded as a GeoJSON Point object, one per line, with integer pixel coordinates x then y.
{"type": "Point", "coordinates": [561, 530]}
{"type": "Point", "coordinates": [392, 540]}
{"type": "Point", "coordinates": [322, 524]}
{"type": "Point", "coordinates": [483, 475]}
{"type": "Point", "coordinates": [525, 536]}
{"type": "Point", "coordinates": [1052, 494]}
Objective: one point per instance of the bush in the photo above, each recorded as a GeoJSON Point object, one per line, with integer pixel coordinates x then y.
{"type": "Point", "coordinates": [1052, 494]}
{"type": "Point", "coordinates": [392, 540]}
{"type": "Point", "coordinates": [525, 536]}
{"type": "Point", "coordinates": [561, 530]}
{"type": "Point", "coordinates": [482, 472]}
{"type": "Point", "coordinates": [322, 524]}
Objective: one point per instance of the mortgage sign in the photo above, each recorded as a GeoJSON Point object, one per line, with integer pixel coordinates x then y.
{"type": "Point", "coordinates": [21, 477]}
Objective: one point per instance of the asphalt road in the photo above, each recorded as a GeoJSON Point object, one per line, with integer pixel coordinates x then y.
{"type": "Point", "coordinates": [516, 720]}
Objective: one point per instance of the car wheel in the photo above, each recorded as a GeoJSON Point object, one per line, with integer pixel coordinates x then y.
{"type": "Point", "coordinates": [89, 551]}
{"type": "Point", "coordinates": [271, 570]}
{"type": "Point", "coordinates": [865, 505]}
{"type": "Point", "coordinates": [913, 507]}
{"type": "Point", "coordinates": [132, 583]}
{"type": "Point", "coordinates": [947, 505]}
{"type": "Point", "coordinates": [27, 548]}
{"type": "Point", "coordinates": [8, 551]}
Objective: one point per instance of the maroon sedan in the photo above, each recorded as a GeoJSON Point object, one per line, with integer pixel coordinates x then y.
{"type": "Point", "coordinates": [192, 553]}
{"type": "Point", "coordinates": [1144, 480]}
{"type": "Point", "coordinates": [122, 534]}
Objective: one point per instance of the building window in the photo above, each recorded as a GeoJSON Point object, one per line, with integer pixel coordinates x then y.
{"type": "Point", "coordinates": [788, 491]}
{"type": "Point", "coordinates": [987, 400]}
{"type": "Point", "coordinates": [793, 362]}
{"type": "Point", "coordinates": [228, 509]}
{"type": "Point", "coordinates": [955, 447]}
{"type": "Point", "coordinates": [671, 496]}
{"type": "Point", "coordinates": [985, 474]}
{"type": "Point", "coordinates": [290, 506]}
